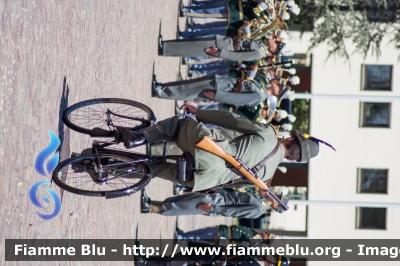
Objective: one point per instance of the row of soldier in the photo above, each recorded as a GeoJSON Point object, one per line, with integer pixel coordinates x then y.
{"type": "Point", "coordinates": [260, 72]}
{"type": "Point", "coordinates": [241, 61]}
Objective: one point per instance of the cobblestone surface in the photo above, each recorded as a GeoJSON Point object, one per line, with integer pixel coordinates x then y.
{"type": "Point", "coordinates": [92, 49]}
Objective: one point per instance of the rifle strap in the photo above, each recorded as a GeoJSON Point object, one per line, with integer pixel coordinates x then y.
{"type": "Point", "coordinates": [256, 168]}
{"type": "Point", "coordinates": [264, 161]}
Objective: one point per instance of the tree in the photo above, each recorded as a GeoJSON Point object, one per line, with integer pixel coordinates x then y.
{"type": "Point", "coordinates": [301, 110]}
{"type": "Point", "coordinates": [363, 22]}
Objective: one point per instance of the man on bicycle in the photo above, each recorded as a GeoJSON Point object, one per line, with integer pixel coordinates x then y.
{"type": "Point", "coordinates": [258, 141]}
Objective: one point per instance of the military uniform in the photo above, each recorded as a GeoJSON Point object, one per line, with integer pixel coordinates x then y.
{"type": "Point", "coordinates": [226, 202]}
{"type": "Point", "coordinates": [259, 77]}
{"type": "Point", "coordinates": [246, 50]}
{"type": "Point", "coordinates": [252, 147]}
{"type": "Point", "coordinates": [188, 90]}
{"type": "Point", "coordinates": [217, 134]}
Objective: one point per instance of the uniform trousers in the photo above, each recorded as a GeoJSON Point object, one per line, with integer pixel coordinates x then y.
{"type": "Point", "coordinates": [210, 25]}
{"type": "Point", "coordinates": [187, 90]}
{"type": "Point", "coordinates": [224, 203]}
{"type": "Point", "coordinates": [185, 133]}
{"type": "Point", "coordinates": [213, 10]}
{"type": "Point", "coordinates": [204, 33]}
{"type": "Point", "coordinates": [214, 69]}
{"type": "Point", "coordinates": [190, 47]}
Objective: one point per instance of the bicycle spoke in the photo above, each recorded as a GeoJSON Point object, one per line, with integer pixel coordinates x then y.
{"type": "Point", "coordinates": [91, 116]}
{"type": "Point", "coordinates": [120, 177]}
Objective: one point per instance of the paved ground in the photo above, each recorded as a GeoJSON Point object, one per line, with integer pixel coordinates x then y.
{"type": "Point", "coordinates": [56, 53]}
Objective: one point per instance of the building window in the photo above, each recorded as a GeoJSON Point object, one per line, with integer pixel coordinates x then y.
{"type": "Point", "coordinates": [377, 77]}
{"type": "Point", "coordinates": [371, 218]}
{"type": "Point", "coordinates": [375, 114]}
{"type": "Point", "coordinates": [372, 180]}
{"type": "Point", "coordinates": [380, 13]}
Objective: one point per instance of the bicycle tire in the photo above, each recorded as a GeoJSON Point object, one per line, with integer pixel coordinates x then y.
{"type": "Point", "coordinates": [67, 173]}
{"type": "Point", "coordinates": [86, 115]}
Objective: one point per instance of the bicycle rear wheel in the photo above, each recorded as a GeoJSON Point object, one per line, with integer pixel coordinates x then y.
{"type": "Point", "coordinates": [105, 113]}
{"type": "Point", "coordinates": [82, 175]}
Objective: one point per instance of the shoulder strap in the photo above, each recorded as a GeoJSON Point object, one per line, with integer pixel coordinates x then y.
{"type": "Point", "coordinates": [255, 169]}
{"type": "Point", "coordinates": [261, 164]}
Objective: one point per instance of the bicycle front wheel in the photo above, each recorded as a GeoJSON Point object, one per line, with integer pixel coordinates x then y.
{"type": "Point", "coordinates": [105, 113]}
{"type": "Point", "coordinates": [84, 175]}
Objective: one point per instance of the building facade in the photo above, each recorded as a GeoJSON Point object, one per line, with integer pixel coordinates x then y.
{"type": "Point", "coordinates": [356, 109]}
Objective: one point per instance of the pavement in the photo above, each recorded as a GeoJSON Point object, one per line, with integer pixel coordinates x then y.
{"type": "Point", "coordinates": [54, 54]}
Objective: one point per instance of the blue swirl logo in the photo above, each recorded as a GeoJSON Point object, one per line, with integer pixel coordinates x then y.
{"type": "Point", "coordinates": [50, 166]}
{"type": "Point", "coordinates": [35, 200]}
{"type": "Point", "coordinates": [46, 152]}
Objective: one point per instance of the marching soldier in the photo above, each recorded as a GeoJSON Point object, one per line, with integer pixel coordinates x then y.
{"type": "Point", "coordinates": [274, 45]}
{"type": "Point", "coordinates": [230, 90]}
{"type": "Point", "coordinates": [226, 202]}
{"type": "Point", "coordinates": [231, 48]}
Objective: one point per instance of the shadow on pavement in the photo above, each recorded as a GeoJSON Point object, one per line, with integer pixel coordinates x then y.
{"type": "Point", "coordinates": [63, 133]}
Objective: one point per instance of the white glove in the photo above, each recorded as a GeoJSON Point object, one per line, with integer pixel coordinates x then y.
{"type": "Point", "coordinates": [291, 118]}
{"type": "Point", "coordinates": [287, 127]}
{"type": "Point", "coordinates": [295, 80]}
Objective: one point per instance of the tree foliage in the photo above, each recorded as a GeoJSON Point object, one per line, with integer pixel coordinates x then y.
{"type": "Point", "coordinates": [363, 22]}
{"type": "Point", "coordinates": [301, 110]}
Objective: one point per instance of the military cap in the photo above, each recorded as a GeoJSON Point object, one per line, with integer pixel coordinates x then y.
{"type": "Point", "coordinates": [309, 146]}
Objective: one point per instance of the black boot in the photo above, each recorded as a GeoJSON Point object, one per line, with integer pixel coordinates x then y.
{"type": "Point", "coordinates": [154, 85]}
{"type": "Point", "coordinates": [145, 202]}
{"type": "Point", "coordinates": [129, 138]}
{"type": "Point", "coordinates": [160, 45]}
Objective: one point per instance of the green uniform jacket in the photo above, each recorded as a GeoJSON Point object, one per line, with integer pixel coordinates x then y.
{"type": "Point", "coordinates": [260, 80]}
{"type": "Point", "coordinates": [254, 145]}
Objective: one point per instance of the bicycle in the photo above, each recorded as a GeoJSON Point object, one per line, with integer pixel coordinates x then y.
{"type": "Point", "coordinates": [110, 172]}
{"type": "Point", "coordinates": [126, 172]}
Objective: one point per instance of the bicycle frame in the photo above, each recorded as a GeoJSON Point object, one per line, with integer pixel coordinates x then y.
{"type": "Point", "coordinates": [150, 160]}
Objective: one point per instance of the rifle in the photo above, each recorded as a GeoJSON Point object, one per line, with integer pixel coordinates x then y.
{"type": "Point", "coordinates": [209, 145]}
